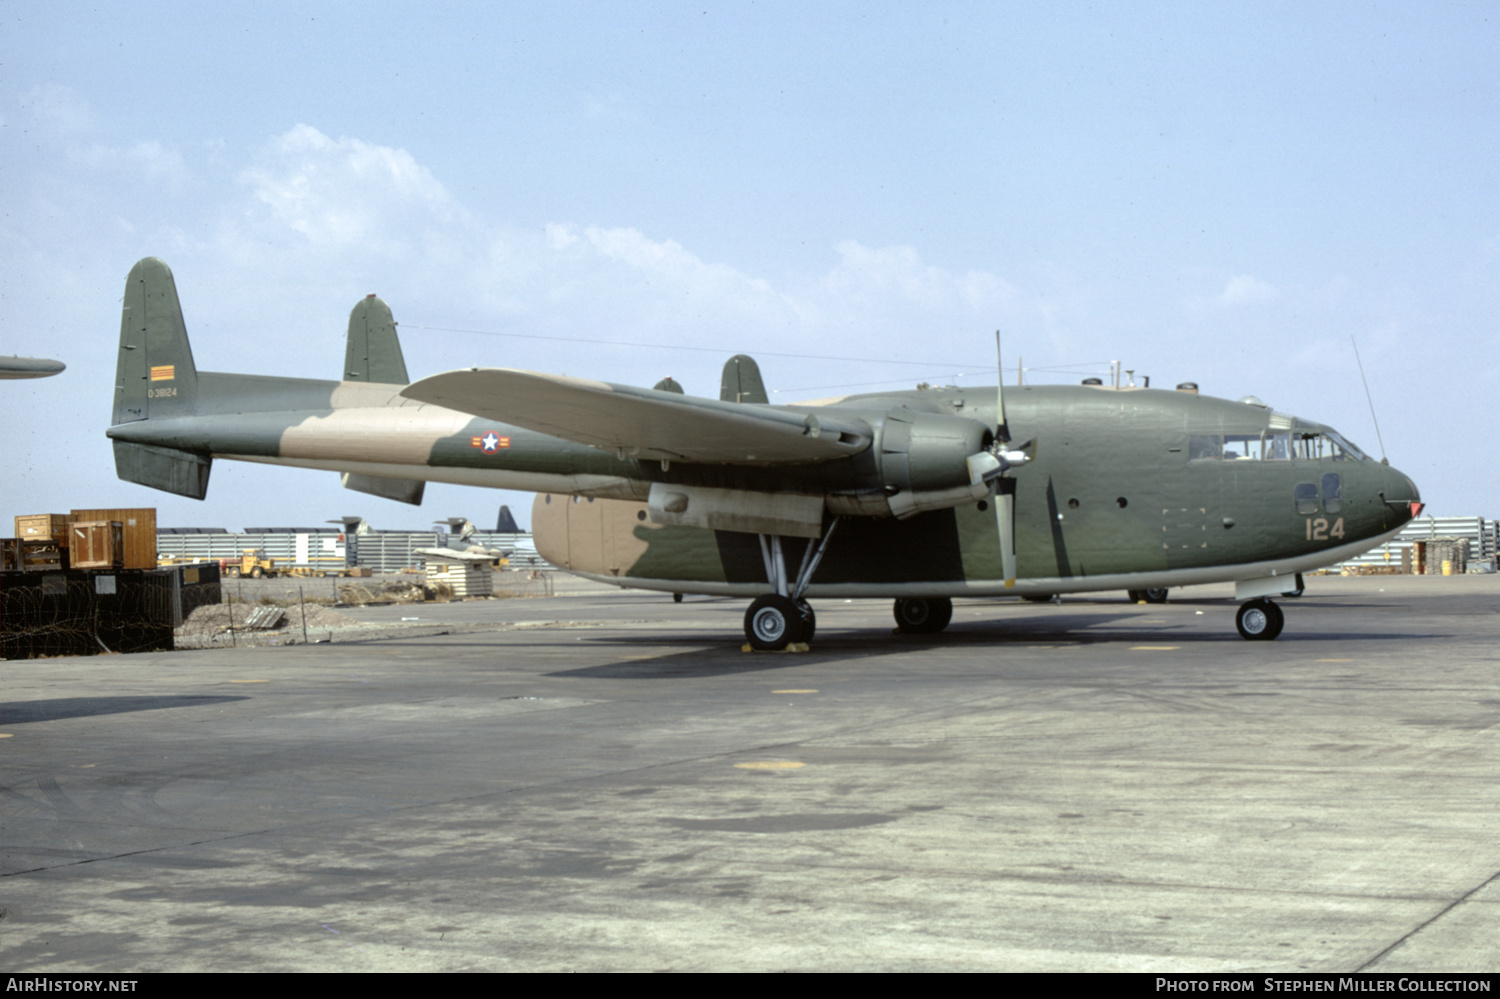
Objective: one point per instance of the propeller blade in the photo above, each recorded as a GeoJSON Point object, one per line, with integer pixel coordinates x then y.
{"type": "Point", "coordinates": [1002, 427]}
{"type": "Point", "coordinates": [1005, 520]}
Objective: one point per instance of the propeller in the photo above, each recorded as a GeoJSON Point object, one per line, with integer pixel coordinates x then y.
{"type": "Point", "coordinates": [992, 464]}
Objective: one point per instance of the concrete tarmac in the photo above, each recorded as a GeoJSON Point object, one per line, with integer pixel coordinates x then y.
{"type": "Point", "coordinates": [604, 781]}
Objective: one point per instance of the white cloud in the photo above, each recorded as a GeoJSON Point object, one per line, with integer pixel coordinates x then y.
{"type": "Point", "coordinates": [149, 159]}
{"type": "Point", "coordinates": [899, 273]}
{"type": "Point", "coordinates": [345, 192]}
{"type": "Point", "coordinates": [1242, 289]}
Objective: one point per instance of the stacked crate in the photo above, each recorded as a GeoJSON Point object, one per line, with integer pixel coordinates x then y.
{"type": "Point", "coordinates": [43, 540]}
{"type": "Point", "coordinates": [138, 533]}
{"type": "Point", "coordinates": [96, 544]}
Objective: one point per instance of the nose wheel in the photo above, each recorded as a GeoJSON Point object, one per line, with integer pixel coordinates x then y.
{"type": "Point", "coordinates": [1259, 620]}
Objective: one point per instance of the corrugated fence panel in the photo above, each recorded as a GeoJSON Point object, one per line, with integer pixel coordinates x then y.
{"type": "Point", "coordinates": [1482, 535]}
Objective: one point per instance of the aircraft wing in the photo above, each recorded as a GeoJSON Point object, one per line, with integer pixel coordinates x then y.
{"type": "Point", "coordinates": [644, 423]}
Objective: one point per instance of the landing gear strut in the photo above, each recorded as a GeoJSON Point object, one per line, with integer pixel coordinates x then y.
{"type": "Point", "coordinates": [779, 619]}
{"type": "Point", "coordinates": [1259, 620]}
{"type": "Point", "coordinates": [923, 615]}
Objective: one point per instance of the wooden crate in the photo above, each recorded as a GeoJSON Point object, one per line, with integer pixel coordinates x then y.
{"type": "Point", "coordinates": [43, 527]}
{"type": "Point", "coordinates": [96, 544]}
{"type": "Point", "coordinates": [140, 532]}
{"type": "Point", "coordinates": [43, 555]}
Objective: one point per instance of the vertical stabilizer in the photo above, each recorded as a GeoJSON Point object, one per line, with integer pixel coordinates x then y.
{"type": "Point", "coordinates": [741, 381]}
{"type": "Point", "coordinates": [374, 352]}
{"type": "Point", "coordinates": [155, 376]}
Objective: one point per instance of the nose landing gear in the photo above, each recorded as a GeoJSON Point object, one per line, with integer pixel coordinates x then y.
{"type": "Point", "coordinates": [1259, 620]}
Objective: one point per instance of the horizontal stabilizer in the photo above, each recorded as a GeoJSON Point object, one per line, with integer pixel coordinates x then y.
{"type": "Point", "coordinates": [644, 423]}
{"type": "Point", "coordinates": [164, 468]}
{"type": "Point", "coordinates": [400, 490]}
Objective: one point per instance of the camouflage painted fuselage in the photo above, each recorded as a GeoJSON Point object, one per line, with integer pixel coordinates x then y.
{"type": "Point", "coordinates": [1112, 492]}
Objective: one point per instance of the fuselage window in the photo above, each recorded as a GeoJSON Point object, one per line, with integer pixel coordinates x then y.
{"type": "Point", "coordinates": [1307, 498]}
{"type": "Point", "coordinates": [1332, 492]}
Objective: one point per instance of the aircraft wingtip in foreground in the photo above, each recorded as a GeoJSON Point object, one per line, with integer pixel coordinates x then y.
{"type": "Point", "coordinates": [30, 367]}
{"type": "Point", "coordinates": [920, 495]}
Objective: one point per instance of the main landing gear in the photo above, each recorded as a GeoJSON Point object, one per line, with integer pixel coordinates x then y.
{"type": "Point", "coordinates": [783, 618]}
{"type": "Point", "coordinates": [923, 615]}
{"type": "Point", "coordinates": [1259, 620]}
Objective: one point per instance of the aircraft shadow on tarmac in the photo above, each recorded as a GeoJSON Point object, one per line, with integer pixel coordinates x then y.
{"type": "Point", "coordinates": [58, 708]}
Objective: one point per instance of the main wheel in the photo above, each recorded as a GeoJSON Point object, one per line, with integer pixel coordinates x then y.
{"type": "Point", "coordinates": [677, 598]}
{"type": "Point", "coordinates": [1259, 620]}
{"type": "Point", "coordinates": [1154, 595]}
{"type": "Point", "coordinates": [809, 620]}
{"type": "Point", "coordinates": [1039, 598]}
{"type": "Point", "coordinates": [772, 623]}
{"type": "Point", "coordinates": [923, 615]}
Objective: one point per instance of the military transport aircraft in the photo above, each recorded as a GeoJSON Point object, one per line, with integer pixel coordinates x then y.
{"type": "Point", "coordinates": [920, 496]}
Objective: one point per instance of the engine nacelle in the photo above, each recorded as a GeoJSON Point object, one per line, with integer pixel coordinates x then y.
{"type": "Point", "coordinates": [923, 461]}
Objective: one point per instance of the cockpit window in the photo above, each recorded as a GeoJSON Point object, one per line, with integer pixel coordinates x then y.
{"type": "Point", "coordinates": [1302, 444]}
{"type": "Point", "coordinates": [1350, 449]}
{"type": "Point", "coordinates": [1240, 447]}
{"type": "Point", "coordinates": [1326, 443]}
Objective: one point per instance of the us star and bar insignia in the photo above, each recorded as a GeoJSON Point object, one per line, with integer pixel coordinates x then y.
{"type": "Point", "coordinates": [490, 442]}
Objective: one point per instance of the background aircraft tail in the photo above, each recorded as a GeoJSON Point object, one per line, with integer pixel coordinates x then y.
{"type": "Point", "coordinates": [155, 378]}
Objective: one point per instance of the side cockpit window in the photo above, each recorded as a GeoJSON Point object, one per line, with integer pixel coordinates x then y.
{"type": "Point", "coordinates": [1306, 495]}
{"type": "Point", "coordinates": [1241, 447]}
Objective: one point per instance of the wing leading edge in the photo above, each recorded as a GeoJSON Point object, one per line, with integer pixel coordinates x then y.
{"type": "Point", "coordinates": [644, 423]}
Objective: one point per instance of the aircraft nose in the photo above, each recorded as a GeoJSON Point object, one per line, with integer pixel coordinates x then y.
{"type": "Point", "coordinates": [1401, 493]}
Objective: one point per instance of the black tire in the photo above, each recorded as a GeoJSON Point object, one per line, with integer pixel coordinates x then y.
{"type": "Point", "coordinates": [923, 615]}
{"type": "Point", "coordinates": [677, 598]}
{"type": "Point", "coordinates": [809, 621]}
{"type": "Point", "coordinates": [1039, 598]}
{"type": "Point", "coordinates": [1259, 620]}
{"type": "Point", "coordinates": [772, 623]}
{"type": "Point", "coordinates": [1155, 595]}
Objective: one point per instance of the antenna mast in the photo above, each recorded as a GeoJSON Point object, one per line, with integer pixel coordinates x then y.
{"type": "Point", "coordinates": [1371, 401]}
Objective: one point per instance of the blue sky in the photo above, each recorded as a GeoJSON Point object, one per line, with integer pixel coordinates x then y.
{"type": "Point", "coordinates": [1221, 193]}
